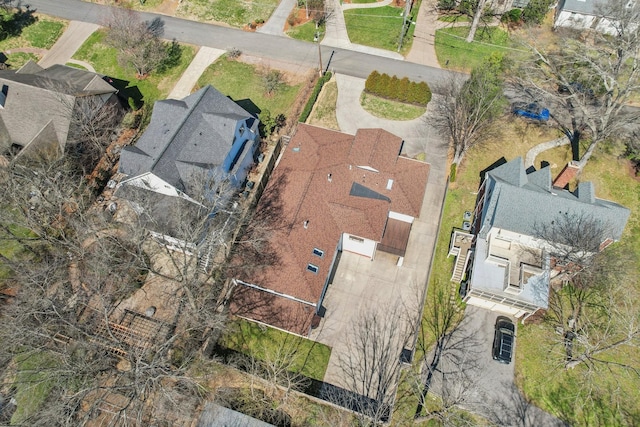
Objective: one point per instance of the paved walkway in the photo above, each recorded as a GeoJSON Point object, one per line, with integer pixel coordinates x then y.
{"type": "Point", "coordinates": [359, 283]}
{"type": "Point", "coordinates": [205, 57]}
{"type": "Point", "coordinates": [275, 24]}
{"type": "Point", "coordinates": [62, 51]}
{"type": "Point", "coordinates": [533, 153]}
{"type": "Point", "coordinates": [423, 50]}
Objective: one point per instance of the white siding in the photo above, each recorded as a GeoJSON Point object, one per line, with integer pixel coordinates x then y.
{"type": "Point", "coordinates": [493, 306]}
{"type": "Point", "coordinates": [358, 245]}
{"type": "Point", "coordinates": [401, 217]}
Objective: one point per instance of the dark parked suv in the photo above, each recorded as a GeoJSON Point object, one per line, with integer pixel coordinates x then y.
{"type": "Point", "coordinates": [504, 340]}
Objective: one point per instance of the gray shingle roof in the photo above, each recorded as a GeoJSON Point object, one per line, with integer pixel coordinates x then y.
{"type": "Point", "coordinates": [195, 133]}
{"type": "Point", "coordinates": [38, 97]}
{"type": "Point", "coordinates": [586, 7]}
{"type": "Point", "coordinates": [519, 205]}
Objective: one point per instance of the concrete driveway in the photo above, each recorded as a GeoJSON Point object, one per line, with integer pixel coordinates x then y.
{"type": "Point", "coordinates": [468, 373]}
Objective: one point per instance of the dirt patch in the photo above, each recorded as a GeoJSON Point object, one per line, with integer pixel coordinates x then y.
{"type": "Point", "coordinates": [168, 7]}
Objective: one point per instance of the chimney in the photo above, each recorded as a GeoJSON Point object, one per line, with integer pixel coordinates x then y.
{"type": "Point", "coordinates": [305, 224]}
{"type": "Point", "coordinates": [568, 173]}
{"type": "Point", "coordinates": [586, 193]}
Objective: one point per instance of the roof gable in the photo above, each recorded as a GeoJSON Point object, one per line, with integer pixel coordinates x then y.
{"type": "Point", "coordinates": [186, 136]}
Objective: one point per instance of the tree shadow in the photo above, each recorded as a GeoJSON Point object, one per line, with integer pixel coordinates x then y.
{"type": "Point", "coordinates": [129, 96]}
{"type": "Point", "coordinates": [12, 25]}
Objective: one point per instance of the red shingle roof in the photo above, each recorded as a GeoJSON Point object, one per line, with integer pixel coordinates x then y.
{"type": "Point", "coordinates": [314, 182]}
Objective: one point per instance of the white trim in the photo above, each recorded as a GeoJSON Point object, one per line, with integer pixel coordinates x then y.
{"type": "Point", "coordinates": [269, 291]}
{"type": "Point", "coordinates": [401, 217]}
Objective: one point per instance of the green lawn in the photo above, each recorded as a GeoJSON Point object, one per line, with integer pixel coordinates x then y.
{"type": "Point", "coordinates": [32, 384]}
{"type": "Point", "coordinates": [388, 109]}
{"type": "Point", "coordinates": [305, 32]}
{"type": "Point", "coordinates": [156, 86]}
{"type": "Point", "coordinates": [232, 12]}
{"type": "Point", "coordinates": [455, 53]}
{"type": "Point", "coordinates": [543, 379]}
{"type": "Point", "coordinates": [42, 34]}
{"type": "Point", "coordinates": [378, 27]}
{"type": "Point", "coordinates": [324, 112]}
{"type": "Point", "coordinates": [310, 358]}
{"type": "Point", "coordinates": [243, 83]}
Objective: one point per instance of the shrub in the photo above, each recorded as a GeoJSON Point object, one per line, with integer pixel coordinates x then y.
{"type": "Point", "coordinates": [371, 84]}
{"type": "Point", "coordinates": [393, 88]}
{"type": "Point", "coordinates": [314, 96]}
{"type": "Point", "coordinates": [535, 11]}
{"type": "Point", "coordinates": [234, 53]}
{"type": "Point", "coordinates": [513, 16]}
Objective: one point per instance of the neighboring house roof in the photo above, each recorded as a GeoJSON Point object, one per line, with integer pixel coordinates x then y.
{"type": "Point", "coordinates": [219, 416]}
{"type": "Point", "coordinates": [38, 102]}
{"type": "Point", "coordinates": [586, 7]}
{"type": "Point", "coordinates": [327, 183]}
{"type": "Point", "coordinates": [185, 136]}
{"type": "Point", "coordinates": [519, 201]}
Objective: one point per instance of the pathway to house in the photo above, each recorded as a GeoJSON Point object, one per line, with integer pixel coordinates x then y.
{"type": "Point", "coordinates": [62, 51]}
{"type": "Point", "coordinates": [535, 151]}
{"type": "Point", "coordinates": [205, 57]}
{"type": "Point", "coordinates": [423, 50]}
{"type": "Point", "coordinates": [275, 24]}
{"type": "Point", "coordinates": [360, 284]}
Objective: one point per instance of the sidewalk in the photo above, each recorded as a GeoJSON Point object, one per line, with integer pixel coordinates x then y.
{"type": "Point", "coordinates": [62, 51]}
{"type": "Point", "coordinates": [276, 22]}
{"type": "Point", "coordinates": [205, 57]}
{"type": "Point", "coordinates": [423, 50]}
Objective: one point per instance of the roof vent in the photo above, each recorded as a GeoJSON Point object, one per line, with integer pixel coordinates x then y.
{"type": "Point", "coordinates": [305, 224]}
{"type": "Point", "coordinates": [329, 177]}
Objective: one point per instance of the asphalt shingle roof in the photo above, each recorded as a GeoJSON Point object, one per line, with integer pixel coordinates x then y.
{"type": "Point", "coordinates": [195, 133]}
{"type": "Point", "coordinates": [314, 183]}
{"type": "Point", "coordinates": [519, 202]}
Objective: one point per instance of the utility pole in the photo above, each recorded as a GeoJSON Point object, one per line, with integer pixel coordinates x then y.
{"type": "Point", "coordinates": [403, 30]}
{"type": "Point", "coordinates": [316, 38]}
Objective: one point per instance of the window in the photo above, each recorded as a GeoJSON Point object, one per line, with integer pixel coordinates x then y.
{"type": "Point", "coordinates": [312, 268]}
{"type": "Point", "coordinates": [356, 239]}
{"type": "Point", "coordinates": [3, 95]}
{"type": "Point", "coordinates": [318, 252]}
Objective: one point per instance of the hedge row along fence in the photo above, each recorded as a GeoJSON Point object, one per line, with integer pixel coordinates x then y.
{"type": "Point", "coordinates": [314, 96]}
{"type": "Point", "coordinates": [396, 89]}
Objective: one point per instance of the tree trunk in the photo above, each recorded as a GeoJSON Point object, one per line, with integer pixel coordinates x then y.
{"type": "Point", "coordinates": [583, 161]}
{"type": "Point", "coordinates": [476, 21]}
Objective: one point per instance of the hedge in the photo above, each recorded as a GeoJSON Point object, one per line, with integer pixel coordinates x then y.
{"type": "Point", "coordinates": [314, 96]}
{"type": "Point", "coordinates": [396, 89]}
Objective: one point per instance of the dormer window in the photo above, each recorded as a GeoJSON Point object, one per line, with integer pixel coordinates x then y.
{"type": "Point", "coordinates": [313, 268]}
{"type": "Point", "coordinates": [318, 252]}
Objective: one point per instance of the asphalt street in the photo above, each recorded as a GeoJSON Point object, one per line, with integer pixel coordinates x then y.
{"type": "Point", "coordinates": [356, 64]}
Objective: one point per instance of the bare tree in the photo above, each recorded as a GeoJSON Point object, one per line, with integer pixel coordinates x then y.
{"type": "Point", "coordinates": [588, 78]}
{"type": "Point", "coordinates": [469, 109]}
{"type": "Point", "coordinates": [449, 365]}
{"type": "Point", "coordinates": [593, 310]}
{"type": "Point", "coordinates": [139, 43]}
